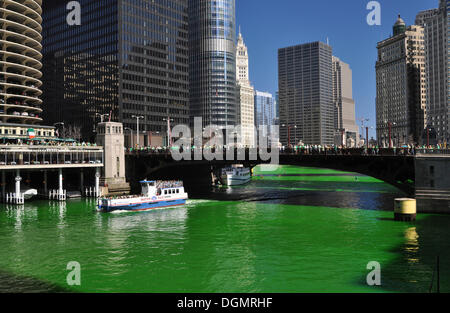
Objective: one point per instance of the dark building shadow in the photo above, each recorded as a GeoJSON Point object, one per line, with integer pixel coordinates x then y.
{"type": "Point", "coordinates": [11, 283]}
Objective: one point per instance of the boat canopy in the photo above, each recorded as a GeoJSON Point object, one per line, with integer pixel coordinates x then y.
{"type": "Point", "coordinates": [147, 181]}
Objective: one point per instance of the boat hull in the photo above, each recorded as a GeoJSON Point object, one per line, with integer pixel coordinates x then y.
{"type": "Point", "coordinates": [29, 193]}
{"type": "Point", "coordinates": [143, 206]}
{"type": "Point", "coordinates": [235, 181]}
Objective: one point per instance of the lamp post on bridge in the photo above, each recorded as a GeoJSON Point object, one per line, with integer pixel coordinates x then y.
{"type": "Point", "coordinates": [137, 117]}
{"type": "Point", "coordinates": [63, 128]}
{"type": "Point", "coordinates": [390, 132]}
{"type": "Point", "coordinates": [428, 136]}
{"type": "Point", "coordinates": [131, 135]}
{"type": "Point", "coordinates": [367, 136]}
{"type": "Point", "coordinates": [289, 133]}
{"type": "Point", "coordinates": [101, 116]}
{"type": "Point", "coordinates": [169, 135]}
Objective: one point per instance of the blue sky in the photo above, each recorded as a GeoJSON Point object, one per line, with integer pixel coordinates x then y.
{"type": "Point", "coordinates": [268, 25]}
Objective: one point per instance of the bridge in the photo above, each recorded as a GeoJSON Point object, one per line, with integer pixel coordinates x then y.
{"type": "Point", "coordinates": [418, 173]}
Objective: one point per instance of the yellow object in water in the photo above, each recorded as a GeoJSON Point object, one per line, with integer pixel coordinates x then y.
{"type": "Point", "coordinates": [405, 209]}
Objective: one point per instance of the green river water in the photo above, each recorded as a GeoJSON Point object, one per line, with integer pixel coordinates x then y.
{"type": "Point", "coordinates": [289, 230]}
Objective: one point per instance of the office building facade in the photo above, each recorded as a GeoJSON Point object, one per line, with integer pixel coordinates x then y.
{"type": "Point", "coordinates": [127, 59]}
{"type": "Point", "coordinates": [346, 130]}
{"type": "Point", "coordinates": [245, 95]}
{"type": "Point", "coordinates": [212, 62]}
{"type": "Point", "coordinates": [401, 90]}
{"type": "Point", "coordinates": [306, 94]}
{"type": "Point", "coordinates": [436, 23]}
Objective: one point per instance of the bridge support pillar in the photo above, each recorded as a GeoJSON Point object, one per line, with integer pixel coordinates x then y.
{"type": "Point", "coordinates": [60, 180]}
{"type": "Point", "coordinates": [18, 180]}
{"type": "Point", "coordinates": [433, 183]}
{"type": "Point", "coordinates": [81, 180]}
{"type": "Point", "coordinates": [3, 184]}
{"type": "Point", "coordinates": [97, 182]}
{"type": "Point", "coordinates": [45, 183]}
{"type": "Point", "coordinates": [17, 198]}
{"type": "Point", "coordinates": [61, 194]}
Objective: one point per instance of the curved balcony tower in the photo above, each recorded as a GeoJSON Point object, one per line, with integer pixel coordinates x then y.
{"type": "Point", "coordinates": [20, 61]}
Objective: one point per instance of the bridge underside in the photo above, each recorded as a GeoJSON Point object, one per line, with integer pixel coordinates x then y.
{"type": "Point", "coordinates": [395, 170]}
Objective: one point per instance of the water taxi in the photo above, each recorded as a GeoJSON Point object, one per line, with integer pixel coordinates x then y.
{"type": "Point", "coordinates": [235, 175]}
{"type": "Point", "coordinates": [155, 195]}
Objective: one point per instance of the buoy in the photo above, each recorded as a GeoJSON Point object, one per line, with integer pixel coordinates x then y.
{"type": "Point", "coordinates": [405, 209]}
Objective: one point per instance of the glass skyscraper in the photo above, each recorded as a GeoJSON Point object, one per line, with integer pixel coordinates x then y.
{"type": "Point", "coordinates": [212, 60]}
{"type": "Point", "coordinates": [265, 111]}
{"type": "Point", "coordinates": [128, 57]}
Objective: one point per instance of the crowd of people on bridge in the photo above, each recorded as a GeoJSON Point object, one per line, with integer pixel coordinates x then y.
{"type": "Point", "coordinates": [308, 149]}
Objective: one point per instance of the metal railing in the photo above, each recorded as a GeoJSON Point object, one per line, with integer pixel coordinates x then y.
{"type": "Point", "coordinates": [20, 155]}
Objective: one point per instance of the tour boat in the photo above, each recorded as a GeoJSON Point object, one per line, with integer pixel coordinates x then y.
{"type": "Point", "coordinates": [155, 195]}
{"type": "Point", "coordinates": [233, 176]}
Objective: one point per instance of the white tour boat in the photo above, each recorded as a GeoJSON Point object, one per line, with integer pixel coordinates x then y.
{"type": "Point", "coordinates": [235, 175]}
{"type": "Point", "coordinates": [155, 194]}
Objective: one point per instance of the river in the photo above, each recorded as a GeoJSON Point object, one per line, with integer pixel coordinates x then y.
{"type": "Point", "coordinates": [290, 230]}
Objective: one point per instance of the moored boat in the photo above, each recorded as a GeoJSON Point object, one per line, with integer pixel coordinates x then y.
{"type": "Point", "coordinates": [28, 193]}
{"type": "Point", "coordinates": [155, 195]}
{"type": "Point", "coordinates": [233, 176]}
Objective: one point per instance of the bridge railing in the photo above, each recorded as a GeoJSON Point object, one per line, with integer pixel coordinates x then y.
{"type": "Point", "coordinates": [433, 151]}
{"type": "Point", "coordinates": [12, 155]}
{"type": "Point", "coordinates": [311, 150]}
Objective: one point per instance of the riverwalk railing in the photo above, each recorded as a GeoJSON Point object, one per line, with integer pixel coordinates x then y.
{"type": "Point", "coordinates": [29, 155]}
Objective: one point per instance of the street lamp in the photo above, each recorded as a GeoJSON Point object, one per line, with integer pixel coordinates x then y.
{"type": "Point", "coordinates": [362, 120]}
{"type": "Point", "coordinates": [289, 133]}
{"type": "Point", "coordinates": [137, 117]}
{"type": "Point", "coordinates": [131, 135]}
{"type": "Point", "coordinates": [101, 116]}
{"type": "Point", "coordinates": [390, 132]}
{"type": "Point", "coordinates": [367, 136]}
{"type": "Point", "coordinates": [169, 135]}
{"type": "Point", "coordinates": [295, 126]}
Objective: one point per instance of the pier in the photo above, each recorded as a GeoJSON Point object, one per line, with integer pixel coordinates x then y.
{"type": "Point", "coordinates": [19, 160]}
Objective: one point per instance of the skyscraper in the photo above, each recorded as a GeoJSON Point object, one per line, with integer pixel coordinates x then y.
{"type": "Point", "coordinates": [212, 61]}
{"type": "Point", "coordinates": [344, 105]}
{"type": "Point", "coordinates": [436, 23]}
{"type": "Point", "coordinates": [265, 112]}
{"type": "Point", "coordinates": [400, 76]}
{"type": "Point", "coordinates": [128, 58]}
{"type": "Point", "coordinates": [20, 69]}
{"type": "Point", "coordinates": [306, 94]}
{"type": "Point", "coordinates": [245, 95]}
